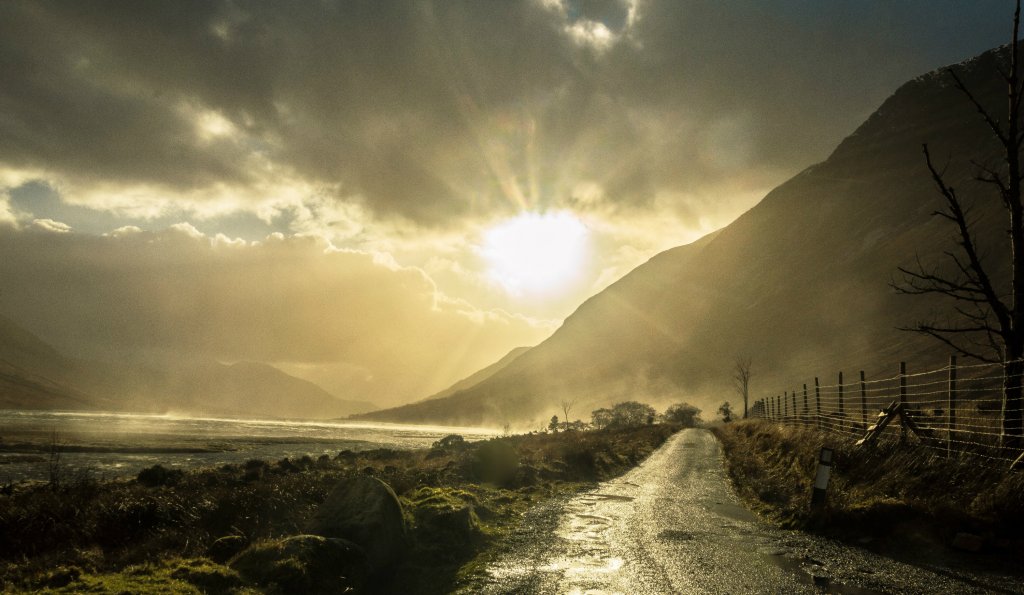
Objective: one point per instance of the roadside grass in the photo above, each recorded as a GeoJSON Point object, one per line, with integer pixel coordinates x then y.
{"type": "Point", "coordinates": [887, 494]}
{"type": "Point", "coordinates": [157, 533]}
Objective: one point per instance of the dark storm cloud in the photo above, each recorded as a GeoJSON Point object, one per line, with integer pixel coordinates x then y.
{"type": "Point", "coordinates": [430, 110]}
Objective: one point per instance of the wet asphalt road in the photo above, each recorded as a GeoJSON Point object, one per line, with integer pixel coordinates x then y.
{"type": "Point", "coordinates": [673, 525]}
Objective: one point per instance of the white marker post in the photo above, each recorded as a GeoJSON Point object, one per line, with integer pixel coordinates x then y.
{"type": "Point", "coordinates": [821, 480]}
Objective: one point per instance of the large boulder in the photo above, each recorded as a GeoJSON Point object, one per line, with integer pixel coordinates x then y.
{"type": "Point", "coordinates": [364, 510]}
{"type": "Point", "coordinates": [303, 564]}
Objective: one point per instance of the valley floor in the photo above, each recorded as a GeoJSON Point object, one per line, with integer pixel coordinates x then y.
{"type": "Point", "coordinates": [165, 530]}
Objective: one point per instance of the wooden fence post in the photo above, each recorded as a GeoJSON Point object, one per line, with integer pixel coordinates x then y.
{"type": "Point", "coordinates": [842, 414]}
{"type": "Point", "coordinates": [807, 414]}
{"type": "Point", "coordinates": [785, 406]}
{"type": "Point", "coordinates": [951, 406]}
{"type": "Point", "coordinates": [796, 416]}
{"type": "Point", "coordinates": [863, 399]}
{"type": "Point", "coordinates": [903, 400]}
{"type": "Point", "coordinates": [817, 400]}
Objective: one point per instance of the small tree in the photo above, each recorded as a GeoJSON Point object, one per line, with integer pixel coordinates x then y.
{"type": "Point", "coordinates": [991, 316]}
{"type": "Point", "coordinates": [601, 418]}
{"type": "Point", "coordinates": [725, 411]}
{"type": "Point", "coordinates": [741, 380]}
{"type": "Point", "coordinates": [567, 405]}
{"type": "Point", "coordinates": [683, 413]}
{"type": "Point", "coordinates": [553, 424]}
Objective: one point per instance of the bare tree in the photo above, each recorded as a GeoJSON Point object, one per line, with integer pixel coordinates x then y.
{"type": "Point", "coordinates": [567, 405]}
{"type": "Point", "coordinates": [741, 380]}
{"type": "Point", "coordinates": [989, 320]}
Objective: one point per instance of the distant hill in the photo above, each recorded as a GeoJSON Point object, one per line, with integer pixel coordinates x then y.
{"type": "Point", "coordinates": [248, 389]}
{"type": "Point", "coordinates": [34, 375]}
{"type": "Point", "coordinates": [800, 282]}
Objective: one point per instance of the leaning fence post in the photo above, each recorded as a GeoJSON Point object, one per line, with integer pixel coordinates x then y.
{"type": "Point", "coordinates": [951, 406]}
{"type": "Point", "coordinates": [903, 401]}
{"type": "Point", "coordinates": [817, 400]}
{"type": "Point", "coordinates": [863, 399]}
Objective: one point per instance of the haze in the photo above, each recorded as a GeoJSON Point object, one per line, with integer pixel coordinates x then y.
{"type": "Point", "coordinates": [384, 197]}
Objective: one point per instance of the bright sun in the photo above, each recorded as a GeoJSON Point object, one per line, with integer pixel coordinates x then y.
{"type": "Point", "coordinates": [536, 253]}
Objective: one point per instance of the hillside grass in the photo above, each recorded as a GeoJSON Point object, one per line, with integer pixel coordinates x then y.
{"type": "Point", "coordinates": [157, 533]}
{"type": "Point", "coordinates": [890, 496]}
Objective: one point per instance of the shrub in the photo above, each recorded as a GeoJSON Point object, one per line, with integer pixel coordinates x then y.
{"type": "Point", "coordinates": [450, 441]}
{"type": "Point", "coordinates": [496, 461]}
{"type": "Point", "coordinates": [683, 413]}
{"type": "Point", "coordinates": [158, 475]}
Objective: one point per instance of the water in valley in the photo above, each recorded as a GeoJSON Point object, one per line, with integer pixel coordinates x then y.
{"type": "Point", "coordinates": [110, 445]}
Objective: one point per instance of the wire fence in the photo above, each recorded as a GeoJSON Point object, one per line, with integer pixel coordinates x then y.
{"type": "Point", "coordinates": [957, 408]}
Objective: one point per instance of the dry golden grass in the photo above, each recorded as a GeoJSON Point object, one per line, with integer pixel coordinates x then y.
{"type": "Point", "coordinates": [874, 492]}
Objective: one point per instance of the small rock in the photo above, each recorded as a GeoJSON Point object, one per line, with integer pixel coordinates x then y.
{"type": "Point", "coordinates": [364, 510]}
{"type": "Point", "coordinates": [226, 547]}
{"type": "Point", "coordinates": [968, 542]}
{"type": "Point", "coordinates": [63, 576]}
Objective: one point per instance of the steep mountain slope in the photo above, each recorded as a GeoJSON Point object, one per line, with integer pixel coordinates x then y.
{"type": "Point", "coordinates": [480, 375]}
{"type": "Point", "coordinates": [801, 282]}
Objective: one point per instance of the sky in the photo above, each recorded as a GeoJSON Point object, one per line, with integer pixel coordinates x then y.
{"type": "Point", "coordinates": [384, 197]}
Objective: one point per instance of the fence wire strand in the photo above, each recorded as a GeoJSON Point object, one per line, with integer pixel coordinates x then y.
{"type": "Point", "coordinates": [959, 410]}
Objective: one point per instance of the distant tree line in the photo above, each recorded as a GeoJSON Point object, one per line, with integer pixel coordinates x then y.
{"type": "Point", "coordinates": [630, 414]}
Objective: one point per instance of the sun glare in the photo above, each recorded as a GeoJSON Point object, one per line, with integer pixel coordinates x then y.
{"type": "Point", "coordinates": [535, 253]}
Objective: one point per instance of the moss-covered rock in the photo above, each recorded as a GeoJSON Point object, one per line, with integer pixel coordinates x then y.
{"type": "Point", "coordinates": [303, 564]}
{"type": "Point", "coordinates": [446, 515]}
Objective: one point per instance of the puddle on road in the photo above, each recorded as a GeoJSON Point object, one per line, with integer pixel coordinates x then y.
{"type": "Point", "coordinates": [733, 511]}
{"type": "Point", "coordinates": [675, 535]}
{"type": "Point", "coordinates": [614, 497]}
{"type": "Point", "coordinates": [811, 572]}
